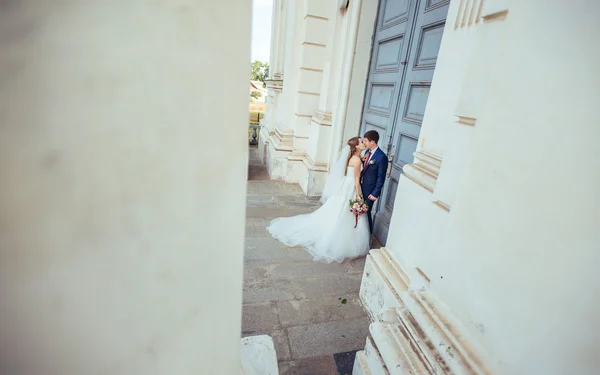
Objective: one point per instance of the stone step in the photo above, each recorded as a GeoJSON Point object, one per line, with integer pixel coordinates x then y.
{"type": "Point", "coordinates": [257, 356]}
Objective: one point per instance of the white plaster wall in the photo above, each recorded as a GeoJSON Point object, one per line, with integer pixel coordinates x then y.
{"type": "Point", "coordinates": [113, 256]}
{"type": "Point", "coordinates": [324, 149]}
{"type": "Point", "coordinates": [515, 259]}
{"type": "Point", "coordinates": [348, 110]}
{"type": "Point", "coordinates": [293, 39]}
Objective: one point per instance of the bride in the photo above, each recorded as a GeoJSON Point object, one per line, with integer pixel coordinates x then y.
{"type": "Point", "coordinates": [328, 233]}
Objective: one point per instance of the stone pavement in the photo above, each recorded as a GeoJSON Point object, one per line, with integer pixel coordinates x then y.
{"type": "Point", "coordinates": [311, 309]}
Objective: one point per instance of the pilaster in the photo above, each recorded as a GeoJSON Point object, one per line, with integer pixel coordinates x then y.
{"type": "Point", "coordinates": [411, 331]}
{"type": "Point", "coordinates": [275, 81]}
{"type": "Point", "coordinates": [269, 122]}
{"type": "Point", "coordinates": [287, 155]}
{"type": "Point", "coordinates": [278, 150]}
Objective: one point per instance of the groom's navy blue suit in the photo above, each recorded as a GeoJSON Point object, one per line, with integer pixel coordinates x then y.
{"type": "Point", "coordinates": [372, 179]}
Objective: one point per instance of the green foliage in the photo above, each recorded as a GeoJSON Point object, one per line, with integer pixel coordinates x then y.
{"type": "Point", "coordinates": [255, 117]}
{"type": "Point", "coordinates": [259, 71]}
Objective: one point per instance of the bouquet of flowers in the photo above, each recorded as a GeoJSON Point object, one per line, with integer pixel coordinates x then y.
{"type": "Point", "coordinates": [358, 207]}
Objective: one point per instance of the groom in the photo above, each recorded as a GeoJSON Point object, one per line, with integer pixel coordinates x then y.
{"type": "Point", "coordinates": [372, 177]}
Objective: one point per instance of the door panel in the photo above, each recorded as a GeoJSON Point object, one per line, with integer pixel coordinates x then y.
{"type": "Point", "coordinates": [390, 47]}
{"type": "Point", "coordinates": [407, 40]}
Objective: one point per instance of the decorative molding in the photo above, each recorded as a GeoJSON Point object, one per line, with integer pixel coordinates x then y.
{"type": "Point", "coordinates": [323, 118]}
{"type": "Point", "coordinates": [313, 44]}
{"type": "Point", "coordinates": [373, 359]}
{"type": "Point", "coordinates": [469, 13]}
{"type": "Point", "coordinates": [424, 170]}
{"type": "Point", "coordinates": [282, 141]}
{"type": "Point", "coordinates": [415, 335]}
{"type": "Point", "coordinates": [308, 162]}
{"type": "Point", "coordinates": [264, 128]}
{"type": "Point", "coordinates": [498, 16]}
{"type": "Point", "coordinates": [315, 17]}
{"type": "Point", "coordinates": [274, 84]}
{"type": "Point", "coordinates": [432, 6]}
{"type": "Point", "coordinates": [442, 205]}
{"type": "Point", "coordinates": [383, 281]}
{"type": "Point", "coordinates": [465, 120]}
{"type": "Point", "coordinates": [495, 10]}
{"type": "Point", "coordinates": [397, 277]}
{"type": "Point", "coordinates": [360, 365]}
{"type": "Point", "coordinates": [423, 275]}
{"type": "Point", "coordinates": [441, 335]}
{"type": "Point", "coordinates": [398, 350]}
{"type": "Point", "coordinates": [311, 69]}
{"type": "Point", "coordinates": [309, 93]}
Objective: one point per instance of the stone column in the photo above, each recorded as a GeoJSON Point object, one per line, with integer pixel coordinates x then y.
{"type": "Point", "coordinates": [280, 139]}
{"type": "Point", "coordinates": [347, 53]}
{"type": "Point", "coordinates": [275, 81]}
{"type": "Point", "coordinates": [319, 150]}
{"type": "Point", "coordinates": [113, 256]}
{"type": "Point", "coordinates": [307, 33]}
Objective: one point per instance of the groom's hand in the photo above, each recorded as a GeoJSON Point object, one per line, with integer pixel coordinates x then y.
{"type": "Point", "coordinates": [372, 198]}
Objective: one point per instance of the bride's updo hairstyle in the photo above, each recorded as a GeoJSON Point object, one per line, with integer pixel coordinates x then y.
{"type": "Point", "coordinates": [353, 143]}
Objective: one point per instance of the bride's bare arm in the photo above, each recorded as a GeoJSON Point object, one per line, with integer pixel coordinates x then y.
{"type": "Point", "coordinates": [355, 163]}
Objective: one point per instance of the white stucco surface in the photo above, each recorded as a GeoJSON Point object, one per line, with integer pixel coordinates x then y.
{"type": "Point", "coordinates": [113, 254]}
{"type": "Point", "coordinates": [515, 258]}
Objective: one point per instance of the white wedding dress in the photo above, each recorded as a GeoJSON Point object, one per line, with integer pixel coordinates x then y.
{"type": "Point", "coordinates": [328, 233]}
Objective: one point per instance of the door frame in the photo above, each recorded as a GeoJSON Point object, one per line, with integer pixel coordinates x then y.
{"type": "Point", "coordinates": [388, 143]}
{"type": "Point", "coordinates": [389, 137]}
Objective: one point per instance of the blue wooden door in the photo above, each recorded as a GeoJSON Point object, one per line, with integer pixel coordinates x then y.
{"type": "Point", "coordinates": [407, 39]}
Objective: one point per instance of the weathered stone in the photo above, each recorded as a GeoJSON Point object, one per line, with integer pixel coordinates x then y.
{"type": "Point", "coordinates": [282, 344]}
{"type": "Point", "coordinates": [356, 265]}
{"type": "Point", "coordinates": [259, 317]}
{"type": "Point", "coordinates": [307, 269]}
{"type": "Point", "coordinates": [298, 201]}
{"type": "Point", "coordinates": [280, 339]}
{"type": "Point", "coordinates": [279, 290]}
{"type": "Point", "coordinates": [298, 253]}
{"type": "Point", "coordinates": [276, 211]}
{"type": "Point", "coordinates": [256, 222]}
{"type": "Point", "coordinates": [256, 273]}
{"type": "Point", "coordinates": [265, 249]}
{"type": "Point", "coordinates": [319, 310]}
{"type": "Point", "coordinates": [292, 189]}
{"type": "Point", "coordinates": [269, 201]}
{"type": "Point", "coordinates": [324, 365]}
{"type": "Point", "coordinates": [348, 283]}
{"type": "Point", "coordinates": [328, 338]}
{"type": "Point", "coordinates": [312, 287]}
{"type": "Point", "coordinates": [254, 243]}
{"type": "Point", "coordinates": [278, 281]}
{"type": "Point", "coordinates": [256, 232]}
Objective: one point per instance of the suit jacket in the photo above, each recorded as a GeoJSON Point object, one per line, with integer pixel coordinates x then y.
{"type": "Point", "coordinates": [373, 175]}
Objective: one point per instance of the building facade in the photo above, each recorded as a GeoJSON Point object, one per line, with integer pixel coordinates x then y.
{"type": "Point", "coordinates": [488, 226]}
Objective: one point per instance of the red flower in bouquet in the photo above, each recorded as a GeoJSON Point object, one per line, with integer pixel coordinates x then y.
{"type": "Point", "coordinates": [358, 207]}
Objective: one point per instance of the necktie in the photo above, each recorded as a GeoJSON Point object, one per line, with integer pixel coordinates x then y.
{"type": "Point", "coordinates": [367, 160]}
